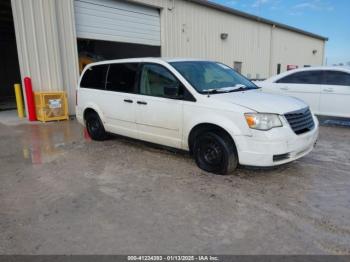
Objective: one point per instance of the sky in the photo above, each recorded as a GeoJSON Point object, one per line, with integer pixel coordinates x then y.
{"type": "Point", "coordinates": [329, 18]}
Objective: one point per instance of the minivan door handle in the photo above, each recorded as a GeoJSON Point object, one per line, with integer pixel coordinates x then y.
{"type": "Point", "coordinates": [284, 88]}
{"type": "Point", "coordinates": [128, 100]}
{"type": "Point", "coordinates": [142, 102]}
{"type": "Point", "coordinates": [328, 90]}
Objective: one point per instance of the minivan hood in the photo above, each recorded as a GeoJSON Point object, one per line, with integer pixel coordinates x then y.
{"type": "Point", "coordinates": [262, 102]}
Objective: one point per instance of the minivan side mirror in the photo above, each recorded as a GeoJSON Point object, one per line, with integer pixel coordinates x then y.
{"type": "Point", "coordinates": [172, 92]}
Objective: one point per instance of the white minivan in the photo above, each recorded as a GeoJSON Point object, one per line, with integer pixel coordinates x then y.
{"type": "Point", "coordinates": [203, 107]}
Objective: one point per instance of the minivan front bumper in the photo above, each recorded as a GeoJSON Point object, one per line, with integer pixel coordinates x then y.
{"type": "Point", "coordinates": [275, 147]}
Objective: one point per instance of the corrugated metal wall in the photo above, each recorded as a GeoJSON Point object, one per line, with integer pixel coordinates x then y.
{"type": "Point", "coordinates": [195, 32]}
{"type": "Point", "coordinates": [192, 30]}
{"type": "Point", "coordinates": [46, 44]}
{"type": "Point", "coordinates": [46, 39]}
{"type": "Point", "coordinates": [295, 49]}
{"type": "Point", "coordinates": [68, 49]}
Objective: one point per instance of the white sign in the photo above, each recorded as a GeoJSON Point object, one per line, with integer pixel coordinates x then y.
{"type": "Point", "coordinates": [55, 103]}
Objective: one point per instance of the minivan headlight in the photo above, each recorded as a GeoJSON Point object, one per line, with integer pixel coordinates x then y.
{"type": "Point", "coordinates": [262, 121]}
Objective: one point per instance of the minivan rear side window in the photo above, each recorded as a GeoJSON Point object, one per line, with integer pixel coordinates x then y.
{"type": "Point", "coordinates": [95, 77]}
{"type": "Point", "coordinates": [305, 77]}
{"type": "Point", "coordinates": [122, 77]}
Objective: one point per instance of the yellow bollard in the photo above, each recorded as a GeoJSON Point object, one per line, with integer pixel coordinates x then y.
{"type": "Point", "coordinates": [19, 100]}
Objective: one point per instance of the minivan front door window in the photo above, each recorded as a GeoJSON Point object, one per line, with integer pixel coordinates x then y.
{"type": "Point", "coordinates": [158, 81]}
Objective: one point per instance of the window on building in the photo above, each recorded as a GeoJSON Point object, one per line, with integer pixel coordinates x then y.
{"type": "Point", "coordinates": [337, 78]}
{"type": "Point", "coordinates": [306, 77]}
{"type": "Point", "coordinates": [95, 77]}
{"type": "Point", "coordinates": [154, 78]}
{"type": "Point", "coordinates": [237, 66]}
{"type": "Point", "coordinates": [278, 69]}
{"type": "Point", "coordinates": [121, 77]}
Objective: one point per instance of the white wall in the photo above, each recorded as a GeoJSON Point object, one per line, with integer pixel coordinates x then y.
{"type": "Point", "coordinates": [46, 44]}
{"type": "Point", "coordinates": [68, 49]}
{"type": "Point", "coordinates": [192, 30]}
{"type": "Point", "coordinates": [290, 48]}
{"type": "Point", "coordinates": [189, 29]}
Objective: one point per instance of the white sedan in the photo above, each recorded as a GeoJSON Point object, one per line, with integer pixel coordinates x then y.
{"type": "Point", "coordinates": [325, 89]}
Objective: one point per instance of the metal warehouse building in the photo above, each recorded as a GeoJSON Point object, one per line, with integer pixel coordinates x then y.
{"type": "Point", "coordinates": [56, 38]}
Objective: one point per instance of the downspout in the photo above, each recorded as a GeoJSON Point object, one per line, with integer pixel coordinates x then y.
{"type": "Point", "coordinates": [271, 51]}
{"type": "Point", "coordinates": [171, 5]}
{"type": "Point", "coordinates": [324, 59]}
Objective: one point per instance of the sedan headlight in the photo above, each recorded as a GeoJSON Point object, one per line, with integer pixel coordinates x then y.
{"type": "Point", "coordinates": [262, 121]}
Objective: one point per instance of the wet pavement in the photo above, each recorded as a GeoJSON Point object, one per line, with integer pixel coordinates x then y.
{"type": "Point", "coordinates": [61, 193]}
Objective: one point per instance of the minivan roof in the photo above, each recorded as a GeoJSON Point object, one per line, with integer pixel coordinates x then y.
{"type": "Point", "coordinates": [148, 59]}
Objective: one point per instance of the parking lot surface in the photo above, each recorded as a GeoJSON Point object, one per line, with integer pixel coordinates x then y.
{"type": "Point", "coordinates": [61, 193]}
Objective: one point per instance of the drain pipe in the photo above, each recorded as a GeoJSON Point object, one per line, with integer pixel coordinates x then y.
{"type": "Point", "coordinates": [171, 5]}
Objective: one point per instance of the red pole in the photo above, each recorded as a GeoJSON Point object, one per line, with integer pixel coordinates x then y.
{"type": "Point", "coordinates": [30, 99]}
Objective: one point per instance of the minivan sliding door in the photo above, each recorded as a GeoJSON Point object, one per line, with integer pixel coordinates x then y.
{"type": "Point", "coordinates": [120, 99]}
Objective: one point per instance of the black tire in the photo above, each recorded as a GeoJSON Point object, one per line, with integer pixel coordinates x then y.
{"type": "Point", "coordinates": [95, 127]}
{"type": "Point", "coordinates": [215, 153]}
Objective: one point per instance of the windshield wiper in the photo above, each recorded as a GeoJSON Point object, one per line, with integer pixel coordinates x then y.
{"type": "Point", "coordinates": [213, 91]}
{"type": "Point", "coordinates": [236, 88]}
{"type": "Point", "coordinates": [220, 90]}
{"type": "Point", "coordinates": [240, 87]}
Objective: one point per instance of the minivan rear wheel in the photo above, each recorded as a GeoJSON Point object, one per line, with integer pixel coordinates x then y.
{"type": "Point", "coordinates": [95, 127]}
{"type": "Point", "coordinates": [215, 153]}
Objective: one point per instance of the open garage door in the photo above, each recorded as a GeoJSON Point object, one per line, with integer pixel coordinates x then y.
{"type": "Point", "coordinates": [117, 21]}
{"type": "Point", "coordinates": [115, 29]}
{"type": "Point", "coordinates": [9, 66]}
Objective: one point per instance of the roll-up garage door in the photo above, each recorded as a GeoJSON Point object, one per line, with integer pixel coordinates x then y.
{"type": "Point", "coordinates": [119, 21]}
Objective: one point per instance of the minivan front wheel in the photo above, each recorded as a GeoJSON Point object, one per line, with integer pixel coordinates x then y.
{"type": "Point", "coordinates": [95, 127]}
{"type": "Point", "coordinates": [215, 153]}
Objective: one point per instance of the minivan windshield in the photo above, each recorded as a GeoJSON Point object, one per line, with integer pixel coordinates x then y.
{"type": "Point", "coordinates": [212, 77]}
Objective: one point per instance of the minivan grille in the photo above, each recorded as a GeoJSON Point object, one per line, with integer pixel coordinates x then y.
{"type": "Point", "coordinates": [300, 121]}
